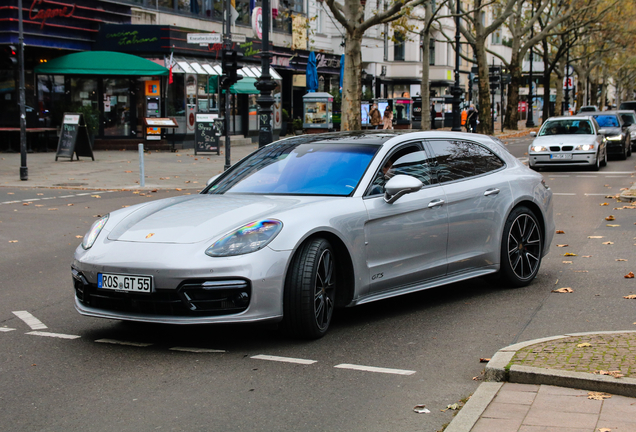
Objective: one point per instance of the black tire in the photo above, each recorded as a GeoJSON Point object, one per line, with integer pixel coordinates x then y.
{"type": "Point", "coordinates": [623, 155]}
{"type": "Point", "coordinates": [310, 290]}
{"type": "Point", "coordinates": [629, 149]}
{"type": "Point", "coordinates": [597, 163]}
{"type": "Point", "coordinates": [604, 161]}
{"type": "Point", "coordinates": [521, 247]}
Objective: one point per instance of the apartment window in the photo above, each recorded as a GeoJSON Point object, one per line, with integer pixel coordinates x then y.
{"type": "Point", "coordinates": [496, 38]}
{"type": "Point", "coordinates": [319, 20]}
{"type": "Point", "coordinates": [398, 48]}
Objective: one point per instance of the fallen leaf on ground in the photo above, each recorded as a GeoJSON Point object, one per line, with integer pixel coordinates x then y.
{"type": "Point", "coordinates": [79, 236]}
{"type": "Point", "coordinates": [13, 241]}
{"type": "Point", "coordinates": [621, 259]}
{"type": "Point", "coordinates": [612, 225]}
{"type": "Point", "coordinates": [586, 256]}
{"type": "Point", "coordinates": [454, 406]}
{"type": "Point", "coordinates": [607, 185]}
{"type": "Point", "coordinates": [629, 297]}
{"type": "Point", "coordinates": [560, 232]}
{"type": "Point", "coordinates": [604, 204]}
{"type": "Point", "coordinates": [421, 409]}
{"type": "Point", "coordinates": [484, 360]}
{"type": "Point", "coordinates": [476, 378]}
{"type": "Point", "coordinates": [25, 204]}
{"type": "Point", "coordinates": [608, 243]}
{"type": "Point", "coordinates": [567, 262]}
{"type": "Point", "coordinates": [598, 395]}
{"type": "Point", "coordinates": [604, 430]}
{"type": "Point", "coordinates": [595, 237]}
{"type": "Point", "coordinates": [563, 290]}
{"type": "Point", "coordinates": [52, 209]}
{"type": "Point", "coordinates": [569, 254]}
{"type": "Point", "coordinates": [562, 245]}
{"type": "Point", "coordinates": [610, 218]}
{"type": "Point", "coordinates": [581, 271]}
{"type": "Point", "coordinates": [614, 373]}
{"type": "Point", "coordinates": [629, 275]}
{"type": "Point", "coordinates": [127, 171]}
{"type": "Point", "coordinates": [584, 345]}
{"type": "Point", "coordinates": [69, 205]}
{"type": "Point", "coordinates": [95, 196]}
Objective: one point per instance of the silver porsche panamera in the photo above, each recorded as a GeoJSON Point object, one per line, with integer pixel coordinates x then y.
{"type": "Point", "coordinates": [312, 223]}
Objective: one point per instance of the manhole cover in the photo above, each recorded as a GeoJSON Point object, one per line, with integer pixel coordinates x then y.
{"type": "Point", "coordinates": [71, 184]}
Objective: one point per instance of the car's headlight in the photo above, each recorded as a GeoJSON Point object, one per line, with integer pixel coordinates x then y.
{"type": "Point", "coordinates": [246, 239]}
{"type": "Point", "coordinates": [614, 137]}
{"type": "Point", "coordinates": [538, 148]}
{"type": "Point", "coordinates": [92, 233]}
{"type": "Point", "coordinates": [585, 147]}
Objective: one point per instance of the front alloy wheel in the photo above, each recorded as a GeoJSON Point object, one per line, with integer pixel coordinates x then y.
{"type": "Point", "coordinates": [522, 247]}
{"type": "Point", "coordinates": [310, 290]}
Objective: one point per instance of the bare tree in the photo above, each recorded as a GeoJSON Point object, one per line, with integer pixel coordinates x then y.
{"type": "Point", "coordinates": [351, 16]}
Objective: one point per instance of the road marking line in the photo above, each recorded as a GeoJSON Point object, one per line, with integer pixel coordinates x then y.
{"type": "Point", "coordinates": [591, 194]}
{"type": "Point", "coordinates": [30, 320]}
{"type": "Point", "coordinates": [568, 194]}
{"type": "Point", "coordinates": [48, 198]}
{"type": "Point", "coordinates": [622, 176]}
{"type": "Point", "coordinates": [54, 335]}
{"type": "Point", "coordinates": [11, 202]}
{"type": "Point", "coordinates": [586, 176]}
{"type": "Point", "coordinates": [284, 359]}
{"type": "Point", "coordinates": [559, 176]}
{"type": "Point", "coordinates": [116, 342]}
{"type": "Point", "coordinates": [375, 369]}
{"type": "Point", "coordinates": [6, 329]}
{"type": "Point", "coordinates": [67, 196]}
{"type": "Point", "coordinates": [82, 194]}
{"type": "Point", "coordinates": [196, 350]}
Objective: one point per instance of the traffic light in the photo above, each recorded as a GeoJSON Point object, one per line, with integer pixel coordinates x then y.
{"type": "Point", "coordinates": [229, 64]}
{"type": "Point", "coordinates": [11, 53]}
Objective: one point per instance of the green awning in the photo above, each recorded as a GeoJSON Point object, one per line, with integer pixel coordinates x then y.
{"type": "Point", "coordinates": [244, 86]}
{"type": "Point", "coordinates": [101, 63]}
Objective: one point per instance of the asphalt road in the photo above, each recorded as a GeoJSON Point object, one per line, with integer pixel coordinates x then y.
{"type": "Point", "coordinates": [99, 375]}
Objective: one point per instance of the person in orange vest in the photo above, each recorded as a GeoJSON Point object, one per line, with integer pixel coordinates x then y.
{"type": "Point", "coordinates": [464, 117]}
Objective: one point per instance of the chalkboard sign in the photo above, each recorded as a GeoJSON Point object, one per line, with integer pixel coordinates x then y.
{"type": "Point", "coordinates": [74, 138]}
{"type": "Point", "coordinates": [208, 129]}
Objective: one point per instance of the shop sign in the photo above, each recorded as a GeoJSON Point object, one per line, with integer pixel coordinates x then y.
{"type": "Point", "coordinates": [204, 38]}
{"type": "Point", "coordinates": [281, 61]}
{"type": "Point", "coordinates": [126, 38]}
{"type": "Point", "coordinates": [257, 22]}
{"type": "Point", "coordinates": [38, 13]}
{"type": "Point", "coordinates": [323, 61]}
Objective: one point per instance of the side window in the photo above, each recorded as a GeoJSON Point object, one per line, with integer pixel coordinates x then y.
{"type": "Point", "coordinates": [457, 160]}
{"type": "Point", "coordinates": [410, 160]}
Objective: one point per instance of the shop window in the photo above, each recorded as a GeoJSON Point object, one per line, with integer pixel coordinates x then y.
{"type": "Point", "coordinates": [398, 48]}
{"type": "Point", "coordinates": [165, 4]}
{"type": "Point", "coordinates": [50, 99]}
{"type": "Point", "coordinates": [175, 105]}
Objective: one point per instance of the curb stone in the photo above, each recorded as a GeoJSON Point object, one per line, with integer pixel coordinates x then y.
{"type": "Point", "coordinates": [497, 372]}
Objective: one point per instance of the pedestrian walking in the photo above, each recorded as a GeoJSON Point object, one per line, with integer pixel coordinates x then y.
{"type": "Point", "coordinates": [376, 117]}
{"type": "Point", "coordinates": [464, 118]}
{"type": "Point", "coordinates": [433, 116]}
{"type": "Point", "coordinates": [387, 121]}
{"type": "Point", "coordinates": [473, 118]}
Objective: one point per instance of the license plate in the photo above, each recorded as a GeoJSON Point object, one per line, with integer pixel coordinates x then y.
{"type": "Point", "coordinates": [119, 282]}
{"type": "Point", "coordinates": [561, 156]}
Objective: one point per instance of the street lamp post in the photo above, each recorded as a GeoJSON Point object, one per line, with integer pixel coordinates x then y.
{"type": "Point", "coordinates": [456, 91]}
{"type": "Point", "coordinates": [24, 170]}
{"type": "Point", "coordinates": [265, 85]}
{"type": "Point", "coordinates": [567, 81]}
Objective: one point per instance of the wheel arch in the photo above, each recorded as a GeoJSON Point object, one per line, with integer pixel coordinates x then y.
{"type": "Point", "coordinates": [537, 212]}
{"type": "Point", "coordinates": [345, 275]}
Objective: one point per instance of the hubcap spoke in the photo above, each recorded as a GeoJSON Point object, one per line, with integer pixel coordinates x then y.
{"type": "Point", "coordinates": [324, 288]}
{"type": "Point", "coordinates": [524, 246]}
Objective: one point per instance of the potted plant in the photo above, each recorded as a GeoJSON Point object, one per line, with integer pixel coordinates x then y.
{"type": "Point", "coordinates": [298, 126]}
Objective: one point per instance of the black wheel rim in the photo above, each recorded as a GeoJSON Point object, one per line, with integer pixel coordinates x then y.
{"type": "Point", "coordinates": [325, 288]}
{"type": "Point", "coordinates": [524, 247]}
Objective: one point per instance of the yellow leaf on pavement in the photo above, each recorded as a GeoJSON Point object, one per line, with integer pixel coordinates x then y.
{"type": "Point", "coordinates": [621, 259]}
{"type": "Point", "coordinates": [612, 226]}
{"type": "Point", "coordinates": [562, 245]}
{"type": "Point", "coordinates": [629, 275]}
{"type": "Point", "coordinates": [629, 297]}
{"type": "Point", "coordinates": [608, 243]}
{"type": "Point", "coordinates": [569, 254]}
{"type": "Point", "coordinates": [595, 237]}
{"type": "Point", "coordinates": [604, 204]}
{"type": "Point", "coordinates": [560, 232]}
{"type": "Point", "coordinates": [598, 395]}
{"type": "Point", "coordinates": [584, 345]}
{"type": "Point", "coordinates": [563, 290]}
{"type": "Point", "coordinates": [610, 218]}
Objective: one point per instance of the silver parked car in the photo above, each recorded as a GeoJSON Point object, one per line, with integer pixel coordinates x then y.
{"type": "Point", "coordinates": [315, 222]}
{"type": "Point", "coordinates": [568, 141]}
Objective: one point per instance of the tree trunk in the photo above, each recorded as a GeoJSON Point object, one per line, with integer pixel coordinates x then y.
{"type": "Point", "coordinates": [485, 125]}
{"type": "Point", "coordinates": [546, 81]}
{"type": "Point", "coordinates": [560, 73]}
{"type": "Point", "coordinates": [512, 108]}
{"type": "Point", "coordinates": [351, 84]}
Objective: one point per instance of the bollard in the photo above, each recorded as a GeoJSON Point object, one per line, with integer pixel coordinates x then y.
{"type": "Point", "coordinates": [142, 176]}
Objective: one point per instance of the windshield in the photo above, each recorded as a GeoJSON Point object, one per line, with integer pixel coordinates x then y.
{"type": "Point", "coordinates": [566, 127]}
{"type": "Point", "coordinates": [299, 169]}
{"type": "Point", "coordinates": [607, 120]}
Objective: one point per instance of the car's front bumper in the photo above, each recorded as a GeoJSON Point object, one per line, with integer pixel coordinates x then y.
{"type": "Point", "coordinates": [202, 290]}
{"type": "Point", "coordinates": [615, 147]}
{"type": "Point", "coordinates": [548, 159]}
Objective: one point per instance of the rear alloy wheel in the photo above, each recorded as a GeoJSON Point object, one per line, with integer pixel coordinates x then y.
{"type": "Point", "coordinates": [521, 247]}
{"type": "Point", "coordinates": [310, 290]}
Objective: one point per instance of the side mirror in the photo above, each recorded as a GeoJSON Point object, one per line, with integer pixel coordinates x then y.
{"type": "Point", "coordinates": [399, 186]}
{"type": "Point", "coordinates": [533, 134]}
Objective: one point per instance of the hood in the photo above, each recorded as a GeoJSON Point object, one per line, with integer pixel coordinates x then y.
{"type": "Point", "coordinates": [197, 218]}
{"type": "Point", "coordinates": [612, 130]}
{"type": "Point", "coordinates": [574, 140]}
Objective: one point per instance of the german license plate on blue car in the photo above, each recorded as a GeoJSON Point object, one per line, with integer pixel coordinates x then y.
{"type": "Point", "coordinates": [118, 282]}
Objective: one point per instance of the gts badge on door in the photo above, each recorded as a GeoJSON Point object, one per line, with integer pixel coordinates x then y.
{"type": "Point", "coordinates": [377, 276]}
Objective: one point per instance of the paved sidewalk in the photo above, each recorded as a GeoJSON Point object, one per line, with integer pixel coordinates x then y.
{"type": "Point", "coordinates": [574, 383]}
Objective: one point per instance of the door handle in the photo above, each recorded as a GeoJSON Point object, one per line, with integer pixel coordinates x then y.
{"type": "Point", "coordinates": [435, 203]}
{"type": "Point", "coordinates": [492, 191]}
